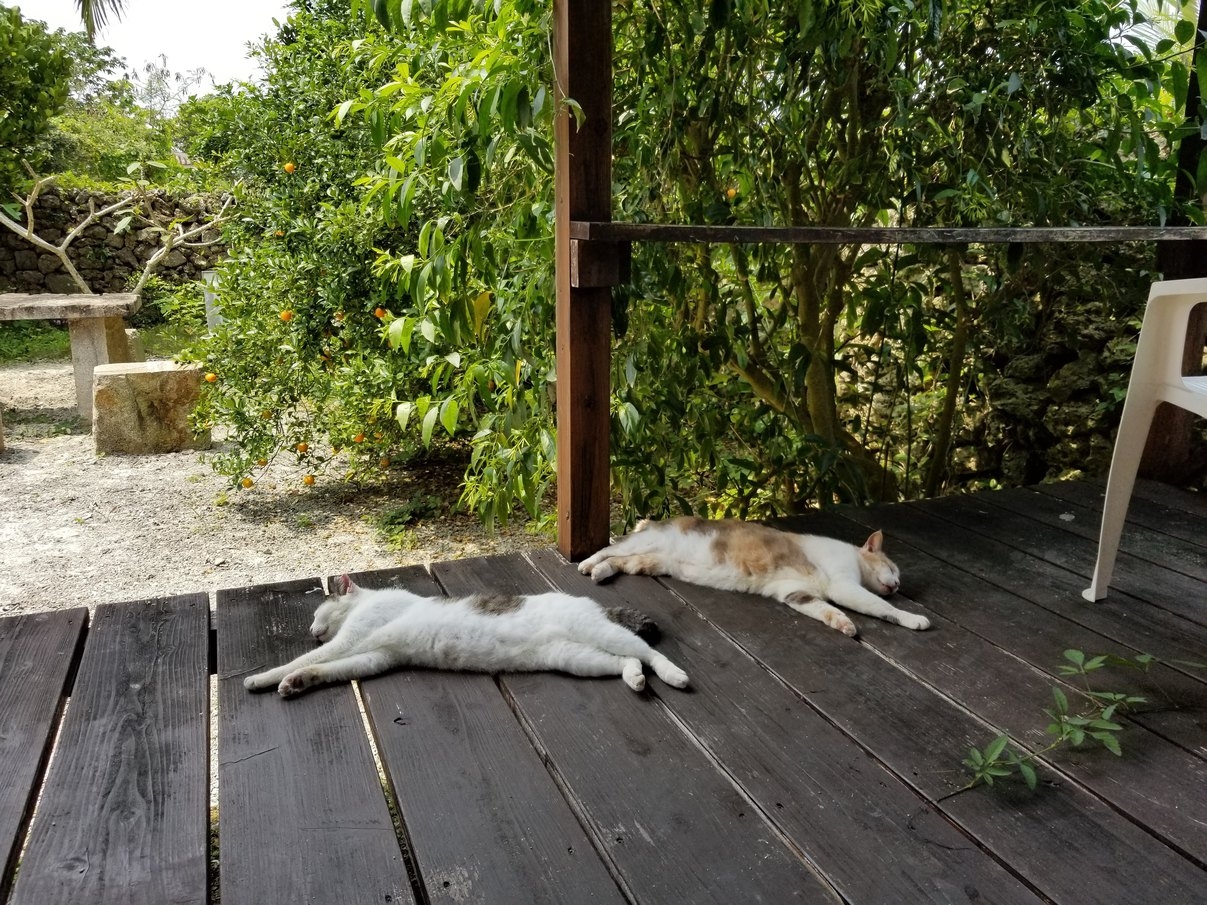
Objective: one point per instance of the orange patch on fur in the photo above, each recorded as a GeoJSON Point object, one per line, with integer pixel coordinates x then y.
{"type": "Point", "coordinates": [756, 549]}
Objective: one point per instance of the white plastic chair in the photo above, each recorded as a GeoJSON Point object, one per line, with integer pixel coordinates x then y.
{"type": "Point", "coordinates": [1156, 377]}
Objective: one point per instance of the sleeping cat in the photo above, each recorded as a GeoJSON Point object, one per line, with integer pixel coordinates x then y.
{"type": "Point", "coordinates": [370, 631]}
{"type": "Point", "coordinates": [801, 570]}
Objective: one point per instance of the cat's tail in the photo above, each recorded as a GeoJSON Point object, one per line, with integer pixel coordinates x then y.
{"type": "Point", "coordinates": [639, 624]}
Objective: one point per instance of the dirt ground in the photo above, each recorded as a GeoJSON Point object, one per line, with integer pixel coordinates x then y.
{"type": "Point", "coordinates": [78, 529]}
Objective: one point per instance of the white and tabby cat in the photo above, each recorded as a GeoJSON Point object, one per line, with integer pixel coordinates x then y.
{"type": "Point", "coordinates": [370, 631]}
{"type": "Point", "coordinates": [802, 570]}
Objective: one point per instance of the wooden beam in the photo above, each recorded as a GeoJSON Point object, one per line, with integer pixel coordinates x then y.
{"type": "Point", "coordinates": [608, 231]}
{"type": "Point", "coordinates": [582, 64]}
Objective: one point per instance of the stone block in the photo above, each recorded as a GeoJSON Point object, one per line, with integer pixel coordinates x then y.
{"type": "Point", "coordinates": [144, 407]}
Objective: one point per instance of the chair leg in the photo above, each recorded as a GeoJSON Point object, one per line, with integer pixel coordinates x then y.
{"type": "Point", "coordinates": [1125, 462]}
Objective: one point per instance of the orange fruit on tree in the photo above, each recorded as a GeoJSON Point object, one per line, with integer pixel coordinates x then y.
{"type": "Point", "coordinates": [211, 377]}
{"type": "Point", "coordinates": [731, 193]}
{"type": "Point", "coordinates": [290, 167]}
{"type": "Point", "coordinates": [286, 315]}
{"type": "Point", "coordinates": [308, 480]}
{"type": "Point", "coordinates": [247, 482]}
{"type": "Point", "coordinates": [261, 462]}
{"type": "Point", "coordinates": [359, 438]}
{"type": "Point", "coordinates": [302, 447]}
{"type": "Point", "coordinates": [380, 313]}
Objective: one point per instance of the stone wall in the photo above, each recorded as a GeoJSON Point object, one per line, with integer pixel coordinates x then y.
{"type": "Point", "coordinates": [105, 259]}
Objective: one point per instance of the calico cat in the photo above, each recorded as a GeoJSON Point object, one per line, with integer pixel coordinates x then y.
{"type": "Point", "coordinates": [370, 631]}
{"type": "Point", "coordinates": [801, 570]}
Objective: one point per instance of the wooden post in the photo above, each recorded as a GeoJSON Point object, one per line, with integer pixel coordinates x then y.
{"type": "Point", "coordinates": [582, 65]}
{"type": "Point", "coordinates": [1173, 454]}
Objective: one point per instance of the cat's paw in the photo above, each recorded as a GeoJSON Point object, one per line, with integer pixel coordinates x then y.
{"type": "Point", "coordinates": [671, 674]}
{"type": "Point", "coordinates": [910, 620]}
{"type": "Point", "coordinates": [602, 571]}
{"type": "Point", "coordinates": [295, 683]}
{"type": "Point", "coordinates": [632, 674]}
{"type": "Point", "coordinates": [837, 619]}
{"type": "Point", "coordinates": [258, 682]}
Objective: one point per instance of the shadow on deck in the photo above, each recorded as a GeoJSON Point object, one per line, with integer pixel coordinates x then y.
{"type": "Point", "coordinates": [801, 765]}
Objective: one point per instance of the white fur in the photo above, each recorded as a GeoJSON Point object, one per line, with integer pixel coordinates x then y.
{"type": "Point", "coordinates": [825, 569]}
{"type": "Point", "coordinates": [370, 631]}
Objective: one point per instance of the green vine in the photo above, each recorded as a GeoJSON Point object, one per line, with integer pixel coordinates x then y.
{"type": "Point", "coordinates": [1094, 723]}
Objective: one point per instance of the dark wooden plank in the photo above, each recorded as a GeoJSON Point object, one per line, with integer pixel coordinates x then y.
{"type": "Point", "coordinates": [867, 833]}
{"type": "Point", "coordinates": [1174, 497]}
{"type": "Point", "coordinates": [1174, 521]}
{"type": "Point", "coordinates": [483, 817]}
{"type": "Point", "coordinates": [302, 815]}
{"type": "Point", "coordinates": [582, 62]}
{"type": "Point", "coordinates": [1168, 590]}
{"type": "Point", "coordinates": [921, 737]}
{"type": "Point", "coordinates": [1125, 624]}
{"type": "Point", "coordinates": [673, 826]}
{"type": "Point", "coordinates": [123, 816]}
{"type": "Point", "coordinates": [980, 659]}
{"type": "Point", "coordinates": [38, 654]}
{"type": "Point", "coordinates": [1155, 547]}
{"type": "Point", "coordinates": [607, 231]}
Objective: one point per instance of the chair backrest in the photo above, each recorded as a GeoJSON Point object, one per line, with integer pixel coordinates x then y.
{"type": "Point", "coordinates": [1159, 352]}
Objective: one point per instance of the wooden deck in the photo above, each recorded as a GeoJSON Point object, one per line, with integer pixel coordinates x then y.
{"type": "Point", "coordinates": [801, 766]}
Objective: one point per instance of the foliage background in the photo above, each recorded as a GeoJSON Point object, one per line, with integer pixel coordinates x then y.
{"type": "Point", "coordinates": [390, 283]}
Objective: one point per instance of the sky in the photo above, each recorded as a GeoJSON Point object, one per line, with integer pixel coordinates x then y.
{"type": "Point", "coordinates": [210, 33]}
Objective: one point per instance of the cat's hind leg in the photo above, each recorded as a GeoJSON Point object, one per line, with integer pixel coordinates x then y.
{"type": "Point", "coordinates": [633, 553]}
{"type": "Point", "coordinates": [626, 644]}
{"type": "Point", "coordinates": [580, 659]}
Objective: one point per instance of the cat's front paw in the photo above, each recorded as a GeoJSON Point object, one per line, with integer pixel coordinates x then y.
{"type": "Point", "coordinates": [258, 682]}
{"type": "Point", "coordinates": [296, 682]}
{"type": "Point", "coordinates": [837, 619]}
{"type": "Point", "coordinates": [917, 623]}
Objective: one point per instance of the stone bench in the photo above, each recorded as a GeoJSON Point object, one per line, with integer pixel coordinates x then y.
{"type": "Point", "coordinates": [144, 407]}
{"type": "Point", "coordinates": [96, 325]}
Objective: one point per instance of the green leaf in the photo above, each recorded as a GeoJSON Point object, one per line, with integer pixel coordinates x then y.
{"type": "Point", "coordinates": [1062, 702]}
{"type": "Point", "coordinates": [429, 424]}
{"type": "Point", "coordinates": [1028, 774]}
{"type": "Point", "coordinates": [1110, 743]}
{"type": "Point", "coordinates": [996, 747]}
{"type": "Point", "coordinates": [1183, 32]}
{"type": "Point", "coordinates": [1075, 656]}
{"type": "Point", "coordinates": [402, 414]}
{"type": "Point", "coordinates": [382, 12]}
{"type": "Point", "coordinates": [481, 309]}
{"type": "Point", "coordinates": [448, 415]}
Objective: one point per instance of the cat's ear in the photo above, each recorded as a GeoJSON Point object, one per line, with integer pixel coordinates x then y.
{"type": "Point", "coordinates": [344, 585]}
{"type": "Point", "coordinates": [875, 543]}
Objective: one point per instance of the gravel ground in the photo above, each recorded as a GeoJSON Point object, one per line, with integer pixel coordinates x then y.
{"type": "Point", "coordinates": [78, 529]}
